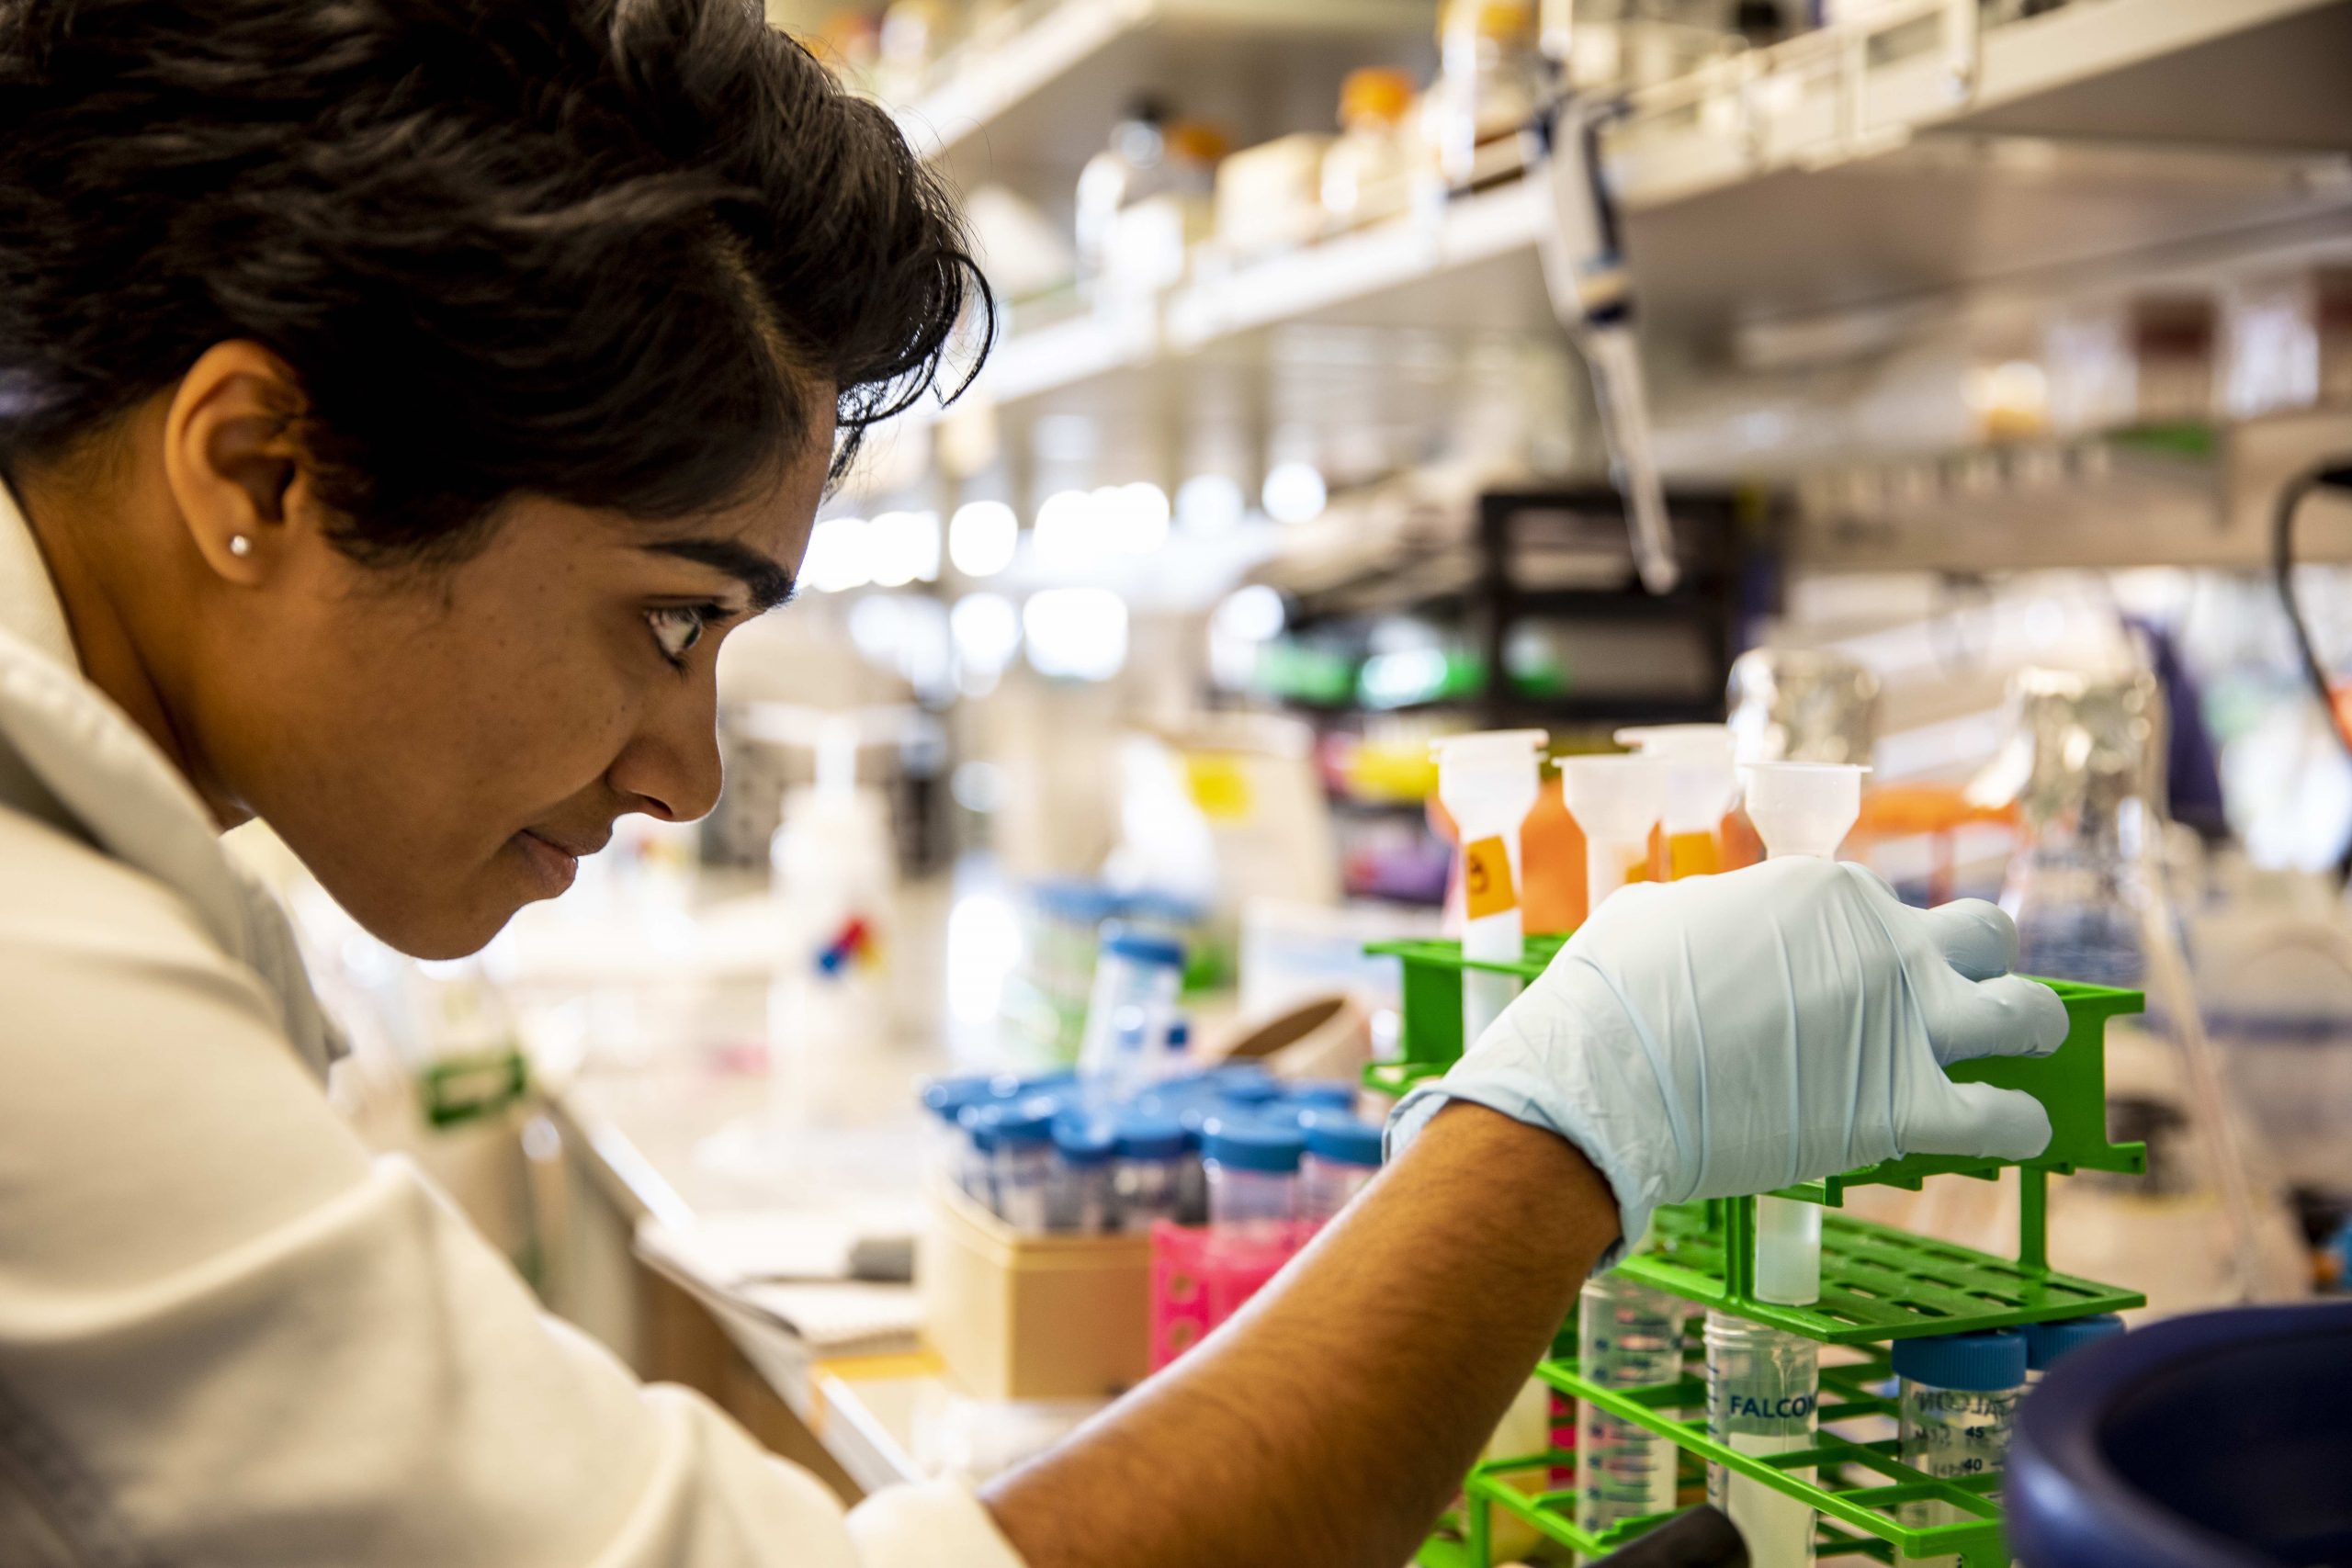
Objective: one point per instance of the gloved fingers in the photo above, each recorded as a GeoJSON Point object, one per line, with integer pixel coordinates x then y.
{"type": "Point", "coordinates": [2005, 1016]}
{"type": "Point", "coordinates": [1975, 1119]}
{"type": "Point", "coordinates": [1974, 937]}
{"type": "Point", "coordinates": [1869, 877]}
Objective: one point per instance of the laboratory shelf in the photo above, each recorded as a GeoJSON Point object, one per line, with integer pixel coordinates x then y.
{"type": "Point", "coordinates": [1041, 93]}
{"type": "Point", "coordinates": [1919, 152]}
{"type": "Point", "coordinates": [1811, 200]}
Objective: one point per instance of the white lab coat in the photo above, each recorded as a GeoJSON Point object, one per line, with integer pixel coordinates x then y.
{"type": "Point", "coordinates": [228, 1336]}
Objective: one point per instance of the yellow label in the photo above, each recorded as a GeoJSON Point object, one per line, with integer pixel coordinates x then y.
{"type": "Point", "coordinates": [1485, 879]}
{"type": "Point", "coordinates": [1220, 788]}
{"type": "Point", "coordinates": [1692, 854]}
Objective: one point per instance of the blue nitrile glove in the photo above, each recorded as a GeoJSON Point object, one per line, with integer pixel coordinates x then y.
{"type": "Point", "coordinates": [1726, 1035]}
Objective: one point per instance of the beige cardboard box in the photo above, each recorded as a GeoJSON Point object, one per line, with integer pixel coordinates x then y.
{"type": "Point", "coordinates": [1019, 1316]}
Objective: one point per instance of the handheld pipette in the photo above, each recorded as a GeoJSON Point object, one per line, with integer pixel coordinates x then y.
{"type": "Point", "coordinates": [1584, 272]}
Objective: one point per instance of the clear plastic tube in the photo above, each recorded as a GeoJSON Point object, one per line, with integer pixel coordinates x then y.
{"type": "Point", "coordinates": [1080, 1196]}
{"type": "Point", "coordinates": [1628, 1336]}
{"type": "Point", "coordinates": [1698, 786]}
{"type": "Point", "coordinates": [1762, 1386]}
{"type": "Point", "coordinates": [1252, 1172]}
{"type": "Point", "coordinates": [1489, 783]}
{"type": "Point", "coordinates": [1615, 801]}
{"type": "Point", "coordinates": [1019, 1173]}
{"type": "Point", "coordinates": [1136, 977]}
{"type": "Point", "coordinates": [1326, 1187]}
{"type": "Point", "coordinates": [1799, 808]}
{"type": "Point", "coordinates": [1143, 1170]}
{"type": "Point", "coordinates": [1342, 1157]}
{"type": "Point", "coordinates": [1959, 1396]}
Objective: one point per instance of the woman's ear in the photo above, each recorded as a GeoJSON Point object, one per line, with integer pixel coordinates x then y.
{"type": "Point", "coordinates": [233, 461]}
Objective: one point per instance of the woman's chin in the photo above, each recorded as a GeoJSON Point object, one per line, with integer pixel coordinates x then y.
{"type": "Point", "coordinates": [443, 924]}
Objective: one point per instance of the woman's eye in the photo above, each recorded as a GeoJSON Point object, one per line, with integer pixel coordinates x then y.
{"type": "Point", "coordinates": [677, 630]}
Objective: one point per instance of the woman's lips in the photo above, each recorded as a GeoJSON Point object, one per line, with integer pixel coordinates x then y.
{"type": "Point", "coordinates": [550, 864]}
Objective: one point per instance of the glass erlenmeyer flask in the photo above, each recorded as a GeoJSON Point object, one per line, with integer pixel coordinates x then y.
{"type": "Point", "coordinates": [2204, 1227]}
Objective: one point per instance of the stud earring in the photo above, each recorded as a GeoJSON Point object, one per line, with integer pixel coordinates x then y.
{"type": "Point", "coordinates": [240, 546]}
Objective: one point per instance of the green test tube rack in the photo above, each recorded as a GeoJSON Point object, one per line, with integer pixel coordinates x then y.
{"type": "Point", "coordinates": [1878, 1284]}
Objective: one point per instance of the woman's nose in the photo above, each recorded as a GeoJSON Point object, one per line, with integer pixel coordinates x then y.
{"type": "Point", "coordinates": [670, 768]}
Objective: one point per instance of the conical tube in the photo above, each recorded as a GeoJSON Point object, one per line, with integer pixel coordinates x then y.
{"type": "Point", "coordinates": [1700, 784]}
{"type": "Point", "coordinates": [1799, 808]}
{"type": "Point", "coordinates": [1615, 802]}
{"type": "Point", "coordinates": [1488, 782]}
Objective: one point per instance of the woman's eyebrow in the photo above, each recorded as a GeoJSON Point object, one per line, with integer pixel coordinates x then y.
{"type": "Point", "coordinates": [768, 583]}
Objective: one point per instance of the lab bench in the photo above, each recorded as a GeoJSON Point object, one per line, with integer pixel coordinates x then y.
{"type": "Point", "coordinates": [668, 1143]}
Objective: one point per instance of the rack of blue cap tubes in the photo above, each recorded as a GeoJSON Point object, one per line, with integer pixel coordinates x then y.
{"type": "Point", "coordinates": [1231, 1147]}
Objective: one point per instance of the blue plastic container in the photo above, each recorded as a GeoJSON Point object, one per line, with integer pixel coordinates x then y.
{"type": "Point", "coordinates": [2223, 1440]}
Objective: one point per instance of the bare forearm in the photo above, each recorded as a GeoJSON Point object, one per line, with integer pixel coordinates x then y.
{"type": "Point", "coordinates": [1330, 1422]}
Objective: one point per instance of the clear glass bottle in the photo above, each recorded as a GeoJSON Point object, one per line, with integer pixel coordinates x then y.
{"type": "Point", "coordinates": [1761, 1394]}
{"type": "Point", "coordinates": [1138, 148]}
{"type": "Point", "coordinates": [1368, 174]}
{"type": "Point", "coordinates": [2083, 764]}
{"type": "Point", "coordinates": [1488, 86]}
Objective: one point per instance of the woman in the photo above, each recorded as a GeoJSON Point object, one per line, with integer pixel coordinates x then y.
{"type": "Point", "coordinates": [400, 400]}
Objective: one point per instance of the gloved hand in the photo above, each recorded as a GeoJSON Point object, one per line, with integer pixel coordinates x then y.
{"type": "Point", "coordinates": [1726, 1035]}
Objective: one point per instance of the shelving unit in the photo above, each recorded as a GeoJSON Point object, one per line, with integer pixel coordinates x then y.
{"type": "Point", "coordinates": [1880, 170]}
{"type": "Point", "coordinates": [1037, 100]}
{"type": "Point", "coordinates": [1878, 1285]}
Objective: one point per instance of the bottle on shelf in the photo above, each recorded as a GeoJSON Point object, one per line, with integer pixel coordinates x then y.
{"type": "Point", "coordinates": [915, 35]}
{"type": "Point", "coordinates": [1145, 200]}
{"type": "Point", "coordinates": [1114, 176]}
{"type": "Point", "coordinates": [1370, 172]}
{"type": "Point", "coordinates": [1489, 85]}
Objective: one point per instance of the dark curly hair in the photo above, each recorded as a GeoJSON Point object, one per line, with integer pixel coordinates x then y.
{"type": "Point", "coordinates": [604, 251]}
